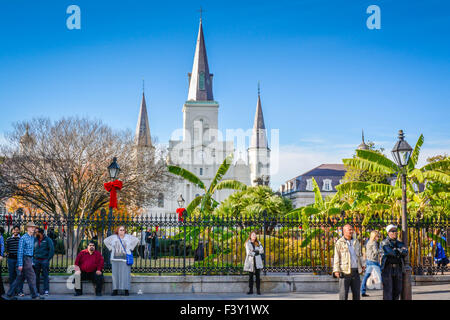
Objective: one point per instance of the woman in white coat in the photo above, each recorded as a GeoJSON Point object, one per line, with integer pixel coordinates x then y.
{"type": "Point", "coordinates": [120, 244]}
{"type": "Point", "coordinates": [253, 261]}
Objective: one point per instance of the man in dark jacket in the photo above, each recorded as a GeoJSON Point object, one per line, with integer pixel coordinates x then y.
{"type": "Point", "coordinates": [392, 264]}
{"type": "Point", "coordinates": [43, 253]}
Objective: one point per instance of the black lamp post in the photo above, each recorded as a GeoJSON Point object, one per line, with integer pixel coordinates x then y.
{"type": "Point", "coordinates": [181, 202]}
{"type": "Point", "coordinates": [113, 170]}
{"type": "Point", "coordinates": [401, 153]}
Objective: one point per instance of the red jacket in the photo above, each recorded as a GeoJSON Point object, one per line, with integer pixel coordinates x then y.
{"type": "Point", "coordinates": [89, 262]}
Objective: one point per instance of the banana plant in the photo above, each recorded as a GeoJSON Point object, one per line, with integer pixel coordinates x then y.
{"type": "Point", "coordinates": [206, 201]}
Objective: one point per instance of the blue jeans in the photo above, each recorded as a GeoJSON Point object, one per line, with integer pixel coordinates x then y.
{"type": "Point", "coordinates": [41, 266]}
{"type": "Point", "coordinates": [12, 271]}
{"type": "Point", "coordinates": [370, 265]}
{"type": "Point", "coordinates": [149, 249]}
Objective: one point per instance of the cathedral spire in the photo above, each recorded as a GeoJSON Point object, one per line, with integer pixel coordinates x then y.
{"type": "Point", "coordinates": [363, 145]}
{"type": "Point", "coordinates": [142, 137]}
{"type": "Point", "coordinates": [200, 80]}
{"type": "Point", "coordinates": [259, 139]}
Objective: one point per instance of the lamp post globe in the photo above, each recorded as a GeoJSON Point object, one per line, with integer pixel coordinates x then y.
{"type": "Point", "coordinates": [402, 153]}
{"type": "Point", "coordinates": [180, 201]}
{"type": "Point", "coordinates": [114, 169]}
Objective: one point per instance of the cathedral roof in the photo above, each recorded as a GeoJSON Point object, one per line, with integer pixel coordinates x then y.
{"type": "Point", "coordinates": [200, 80]}
{"type": "Point", "coordinates": [142, 137]}
{"type": "Point", "coordinates": [259, 139]}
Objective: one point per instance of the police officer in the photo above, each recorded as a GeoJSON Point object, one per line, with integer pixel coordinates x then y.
{"type": "Point", "coordinates": [392, 264]}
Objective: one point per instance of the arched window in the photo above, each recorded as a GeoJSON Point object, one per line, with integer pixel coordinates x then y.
{"type": "Point", "coordinates": [161, 200]}
{"type": "Point", "coordinates": [327, 185]}
{"type": "Point", "coordinates": [309, 185]}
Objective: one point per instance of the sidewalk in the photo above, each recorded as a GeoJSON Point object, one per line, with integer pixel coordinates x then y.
{"type": "Point", "coordinates": [434, 292]}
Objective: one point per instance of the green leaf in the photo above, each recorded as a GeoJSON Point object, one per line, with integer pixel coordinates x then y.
{"type": "Point", "coordinates": [186, 174]}
{"type": "Point", "coordinates": [437, 176]}
{"type": "Point", "coordinates": [194, 204]}
{"type": "Point", "coordinates": [221, 171]}
{"type": "Point", "coordinates": [415, 154]}
{"type": "Point", "coordinates": [230, 184]}
{"type": "Point", "coordinates": [384, 189]}
{"type": "Point", "coordinates": [377, 158]}
{"type": "Point", "coordinates": [310, 237]}
{"type": "Point", "coordinates": [363, 164]}
{"type": "Point", "coordinates": [443, 165]}
{"type": "Point", "coordinates": [318, 200]}
{"type": "Point", "coordinates": [352, 187]}
{"type": "Point", "coordinates": [416, 174]}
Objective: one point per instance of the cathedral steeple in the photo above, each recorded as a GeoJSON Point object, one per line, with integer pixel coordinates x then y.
{"type": "Point", "coordinates": [259, 139]}
{"type": "Point", "coordinates": [200, 80]}
{"type": "Point", "coordinates": [363, 145]}
{"type": "Point", "coordinates": [142, 137]}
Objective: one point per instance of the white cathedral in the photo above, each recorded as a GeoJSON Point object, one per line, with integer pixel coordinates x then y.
{"type": "Point", "coordinates": [200, 151]}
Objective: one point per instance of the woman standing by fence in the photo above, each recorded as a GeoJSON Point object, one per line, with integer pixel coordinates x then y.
{"type": "Point", "coordinates": [253, 261]}
{"type": "Point", "coordinates": [121, 246]}
{"type": "Point", "coordinates": [373, 255]}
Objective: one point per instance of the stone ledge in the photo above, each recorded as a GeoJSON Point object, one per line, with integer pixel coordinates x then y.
{"type": "Point", "coordinates": [222, 284]}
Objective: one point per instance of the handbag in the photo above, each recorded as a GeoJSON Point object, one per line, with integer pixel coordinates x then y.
{"type": "Point", "coordinates": [374, 280]}
{"type": "Point", "coordinates": [129, 256]}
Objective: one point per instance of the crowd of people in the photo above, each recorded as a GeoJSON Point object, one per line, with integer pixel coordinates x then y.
{"type": "Point", "coordinates": [29, 255]}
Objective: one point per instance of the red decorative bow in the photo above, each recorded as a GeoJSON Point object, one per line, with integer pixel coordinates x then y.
{"type": "Point", "coordinates": [111, 188]}
{"type": "Point", "coordinates": [180, 212]}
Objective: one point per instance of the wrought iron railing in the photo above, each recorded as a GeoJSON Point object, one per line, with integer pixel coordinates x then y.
{"type": "Point", "coordinates": [215, 245]}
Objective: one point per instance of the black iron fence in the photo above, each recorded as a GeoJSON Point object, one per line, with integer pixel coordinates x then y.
{"type": "Point", "coordinates": [215, 245]}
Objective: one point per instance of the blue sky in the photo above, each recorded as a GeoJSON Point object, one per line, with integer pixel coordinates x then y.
{"type": "Point", "coordinates": [324, 75]}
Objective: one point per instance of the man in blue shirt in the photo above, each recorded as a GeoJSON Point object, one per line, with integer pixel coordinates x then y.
{"type": "Point", "coordinates": [25, 264]}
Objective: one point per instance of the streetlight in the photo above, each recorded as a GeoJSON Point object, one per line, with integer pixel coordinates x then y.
{"type": "Point", "coordinates": [113, 170]}
{"type": "Point", "coordinates": [401, 153]}
{"type": "Point", "coordinates": [181, 211]}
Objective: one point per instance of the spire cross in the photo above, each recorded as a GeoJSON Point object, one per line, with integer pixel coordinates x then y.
{"type": "Point", "coordinates": [201, 11]}
{"type": "Point", "coordinates": [259, 89]}
{"type": "Point", "coordinates": [143, 85]}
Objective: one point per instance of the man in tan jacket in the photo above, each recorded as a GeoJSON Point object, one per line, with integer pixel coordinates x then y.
{"type": "Point", "coordinates": [348, 264]}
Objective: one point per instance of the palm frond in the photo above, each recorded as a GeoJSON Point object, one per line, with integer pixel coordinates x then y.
{"type": "Point", "coordinates": [363, 164]}
{"type": "Point", "coordinates": [230, 184]}
{"type": "Point", "coordinates": [384, 189]}
{"type": "Point", "coordinates": [187, 175]}
{"type": "Point", "coordinates": [194, 204]}
{"type": "Point", "coordinates": [437, 176]}
{"type": "Point", "coordinates": [377, 158]}
{"type": "Point", "coordinates": [221, 171]}
{"type": "Point", "coordinates": [415, 154]}
{"type": "Point", "coordinates": [318, 200]}
{"type": "Point", "coordinates": [443, 165]}
{"type": "Point", "coordinates": [351, 187]}
{"type": "Point", "coordinates": [416, 174]}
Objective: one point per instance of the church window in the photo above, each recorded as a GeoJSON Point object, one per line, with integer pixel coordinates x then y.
{"type": "Point", "coordinates": [161, 200]}
{"type": "Point", "coordinates": [201, 81]}
{"type": "Point", "coordinates": [309, 185]}
{"type": "Point", "coordinates": [201, 171]}
{"type": "Point", "coordinates": [327, 185]}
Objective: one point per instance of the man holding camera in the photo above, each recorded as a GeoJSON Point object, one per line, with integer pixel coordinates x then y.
{"type": "Point", "coordinates": [392, 264]}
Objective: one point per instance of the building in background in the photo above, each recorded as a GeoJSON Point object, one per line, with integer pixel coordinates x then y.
{"type": "Point", "coordinates": [300, 188]}
{"type": "Point", "coordinates": [200, 150]}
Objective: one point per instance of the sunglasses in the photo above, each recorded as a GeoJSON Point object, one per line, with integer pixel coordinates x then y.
{"type": "Point", "coordinates": [393, 231]}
